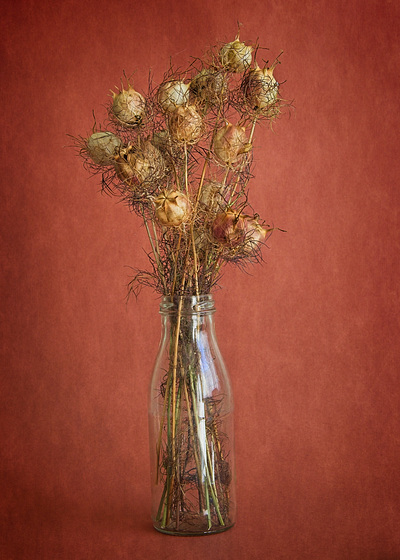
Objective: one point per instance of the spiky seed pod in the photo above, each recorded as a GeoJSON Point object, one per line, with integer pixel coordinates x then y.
{"type": "Point", "coordinates": [230, 143]}
{"type": "Point", "coordinates": [172, 208]}
{"type": "Point", "coordinates": [185, 125]}
{"type": "Point", "coordinates": [211, 196]}
{"type": "Point", "coordinates": [254, 234]}
{"type": "Point", "coordinates": [260, 88]}
{"type": "Point", "coordinates": [135, 165]}
{"type": "Point", "coordinates": [101, 147]}
{"type": "Point", "coordinates": [236, 56]}
{"type": "Point", "coordinates": [228, 229]}
{"type": "Point", "coordinates": [209, 86]}
{"type": "Point", "coordinates": [172, 95]}
{"type": "Point", "coordinates": [128, 107]}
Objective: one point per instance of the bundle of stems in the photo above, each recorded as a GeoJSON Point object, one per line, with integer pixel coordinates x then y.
{"type": "Point", "coordinates": [191, 465]}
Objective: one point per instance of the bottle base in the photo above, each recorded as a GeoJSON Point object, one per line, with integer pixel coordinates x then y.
{"type": "Point", "coordinates": [192, 531]}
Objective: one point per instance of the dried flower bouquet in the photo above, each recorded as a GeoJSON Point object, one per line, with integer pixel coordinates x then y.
{"type": "Point", "coordinates": [181, 158]}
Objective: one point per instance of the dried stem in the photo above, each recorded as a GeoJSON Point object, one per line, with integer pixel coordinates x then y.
{"type": "Point", "coordinates": [154, 247]}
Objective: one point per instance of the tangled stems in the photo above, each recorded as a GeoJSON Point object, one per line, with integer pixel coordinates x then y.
{"type": "Point", "coordinates": [162, 150]}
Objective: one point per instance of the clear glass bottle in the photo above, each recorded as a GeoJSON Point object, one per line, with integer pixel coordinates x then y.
{"type": "Point", "coordinates": [191, 424]}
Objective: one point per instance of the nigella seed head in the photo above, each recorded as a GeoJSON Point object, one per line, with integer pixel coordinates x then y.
{"type": "Point", "coordinates": [172, 208]}
{"type": "Point", "coordinates": [236, 56]}
{"type": "Point", "coordinates": [255, 234]}
{"type": "Point", "coordinates": [172, 95]}
{"type": "Point", "coordinates": [128, 107]}
{"type": "Point", "coordinates": [230, 143]}
{"type": "Point", "coordinates": [139, 164]}
{"type": "Point", "coordinates": [260, 88]}
{"type": "Point", "coordinates": [228, 229]}
{"type": "Point", "coordinates": [185, 125]}
{"type": "Point", "coordinates": [209, 86]}
{"type": "Point", "coordinates": [101, 147]}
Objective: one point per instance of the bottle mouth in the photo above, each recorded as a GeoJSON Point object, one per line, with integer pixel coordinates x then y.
{"type": "Point", "coordinates": [188, 305]}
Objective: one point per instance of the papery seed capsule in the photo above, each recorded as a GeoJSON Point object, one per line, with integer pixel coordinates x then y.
{"type": "Point", "coordinates": [172, 208]}
{"type": "Point", "coordinates": [236, 56]}
{"type": "Point", "coordinates": [254, 234]}
{"type": "Point", "coordinates": [211, 196]}
{"type": "Point", "coordinates": [185, 125]}
{"type": "Point", "coordinates": [260, 87]}
{"type": "Point", "coordinates": [209, 86]}
{"type": "Point", "coordinates": [228, 229]}
{"type": "Point", "coordinates": [101, 147]}
{"type": "Point", "coordinates": [128, 107]}
{"type": "Point", "coordinates": [136, 165]}
{"type": "Point", "coordinates": [149, 163]}
{"type": "Point", "coordinates": [230, 143]}
{"type": "Point", "coordinates": [172, 95]}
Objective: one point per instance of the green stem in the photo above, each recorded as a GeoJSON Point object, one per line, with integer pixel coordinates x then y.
{"type": "Point", "coordinates": [204, 452]}
{"type": "Point", "coordinates": [192, 435]}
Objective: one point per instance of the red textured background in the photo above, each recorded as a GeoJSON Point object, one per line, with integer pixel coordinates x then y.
{"type": "Point", "coordinates": [311, 338]}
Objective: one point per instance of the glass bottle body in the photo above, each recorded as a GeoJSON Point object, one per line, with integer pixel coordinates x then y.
{"type": "Point", "coordinates": [191, 424]}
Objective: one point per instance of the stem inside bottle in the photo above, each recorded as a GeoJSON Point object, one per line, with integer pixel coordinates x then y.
{"type": "Point", "coordinates": [191, 425]}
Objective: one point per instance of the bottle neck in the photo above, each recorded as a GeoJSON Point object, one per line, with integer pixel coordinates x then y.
{"type": "Point", "coordinates": [191, 315]}
{"type": "Point", "coordinates": [196, 306]}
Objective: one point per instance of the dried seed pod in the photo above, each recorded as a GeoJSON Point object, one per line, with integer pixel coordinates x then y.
{"type": "Point", "coordinates": [149, 163]}
{"type": "Point", "coordinates": [230, 143]}
{"type": "Point", "coordinates": [172, 208]}
{"type": "Point", "coordinates": [135, 165]}
{"type": "Point", "coordinates": [128, 107]}
{"type": "Point", "coordinates": [254, 234]}
{"type": "Point", "coordinates": [260, 87]}
{"type": "Point", "coordinates": [211, 196]}
{"type": "Point", "coordinates": [228, 229]}
{"type": "Point", "coordinates": [236, 56]}
{"type": "Point", "coordinates": [101, 147]}
{"type": "Point", "coordinates": [185, 125]}
{"type": "Point", "coordinates": [209, 86]}
{"type": "Point", "coordinates": [173, 94]}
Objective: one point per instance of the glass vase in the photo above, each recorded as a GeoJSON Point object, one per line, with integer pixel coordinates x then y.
{"type": "Point", "coordinates": [191, 423]}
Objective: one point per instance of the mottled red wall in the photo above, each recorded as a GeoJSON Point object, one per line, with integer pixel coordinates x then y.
{"type": "Point", "coordinates": [311, 338]}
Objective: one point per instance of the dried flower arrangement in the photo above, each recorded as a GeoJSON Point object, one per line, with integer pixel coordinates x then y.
{"type": "Point", "coordinates": [180, 157]}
